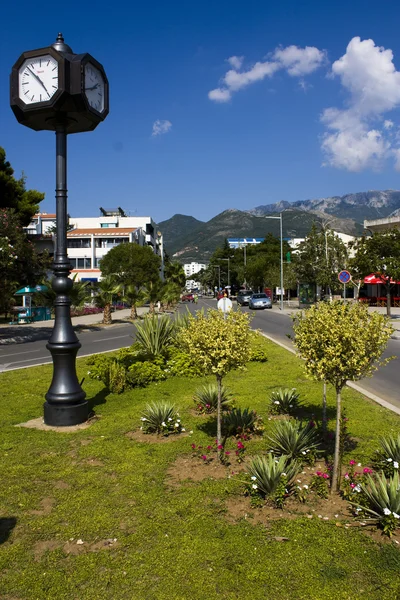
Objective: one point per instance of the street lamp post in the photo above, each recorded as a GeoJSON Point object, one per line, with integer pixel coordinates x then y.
{"type": "Point", "coordinates": [56, 90]}
{"type": "Point", "coordinates": [281, 238]}
{"type": "Point", "coordinates": [228, 259]}
{"type": "Point", "coordinates": [219, 275]}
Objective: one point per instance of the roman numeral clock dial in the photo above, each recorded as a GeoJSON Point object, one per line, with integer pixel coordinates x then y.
{"type": "Point", "coordinates": [94, 87]}
{"type": "Point", "coordinates": [38, 79]}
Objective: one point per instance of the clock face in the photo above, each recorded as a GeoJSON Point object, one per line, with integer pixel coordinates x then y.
{"type": "Point", "coordinates": [94, 87]}
{"type": "Point", "coordinates": [38, 79]}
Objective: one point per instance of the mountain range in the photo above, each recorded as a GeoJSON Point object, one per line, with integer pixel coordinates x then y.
{"type": "Point", "coordinates": [187, 239]}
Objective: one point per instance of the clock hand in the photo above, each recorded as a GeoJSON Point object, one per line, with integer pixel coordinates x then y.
{"type": "Point", "coordinates": [39, 80]}
{"type": "Point", "coordinates": [94, 87]}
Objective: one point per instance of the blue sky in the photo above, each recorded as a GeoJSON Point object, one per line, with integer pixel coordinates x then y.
{"type": "Point", "coordinates": [217, 104]}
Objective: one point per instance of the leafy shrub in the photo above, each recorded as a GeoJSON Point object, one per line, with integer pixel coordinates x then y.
{"type": "Point", "coordinates": [258, 352]}
{"type": "Point", "coordinates": [291, 439]}
{"type": "Point", "coordinates": [380, 497]}
{"type": "Point", "coordinates": [99, 367]}
{"type": "Point", "coordinates": [320, 484]}
{"type": "Point", "coordinates": [161, 417]}
{"type": "Point", "coordinates": [155, 334]}
{"type": "Point", "coordinates": [284, 401]}
{"type": "Point", "coordinates": [387, 457]}
{"type": "Point", "coordinates": [206, 398]}
{"type": "Point", "coordinates": [116, 378]}
{"type": "Point", "coordinates": [141, 374]}
{"type": "Point", "coordinates": [271, 477]}
{"type": "Point", "coordinates": [238, 421]}
{"type": "Point", "coordinates": [180, 364]}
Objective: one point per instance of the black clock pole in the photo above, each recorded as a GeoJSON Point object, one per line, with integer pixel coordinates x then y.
{"type": "Point", "coordinates": [68, 109]}
{"type": "Point", "coordinates": [65, 401]}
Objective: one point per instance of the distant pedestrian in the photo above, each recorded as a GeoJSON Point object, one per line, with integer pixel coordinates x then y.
{"type": "Point", "coordinates": [196, 298]}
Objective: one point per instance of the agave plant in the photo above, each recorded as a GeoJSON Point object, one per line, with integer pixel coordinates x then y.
{"type": "Point", "coordinates": [155, 335]}
{"type": "Point", "coordinates": [238, 421]}
{"type": "Point", "coordinates": [206, 398]}
{"type": "Point", "coordinates": [284, 401]}
{"type": "Point", "coordinates": [387, 457]}
{"type": "Point", "coordinates": [291, 439]}
{"type": "Point", "coordinates": [161, 417]}
{"type": "Point", "coordinates": [268, 471]}
{"type": "Point", "coordinates": [380, 497]}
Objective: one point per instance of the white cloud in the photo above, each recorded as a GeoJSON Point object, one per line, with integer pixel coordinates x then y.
{"type": "Point", "coordinates": [220, 95]}
{"type": "Point", "coordinates": [160, 127]}
{"type": "Point", "coordinates": [236, 61]}
{"type": "Point", "coordinates": [356, 138]}
{"type": "Point", "coordinates": [300, 61]}
{"type": "Point", "coordinates": [296, 61]}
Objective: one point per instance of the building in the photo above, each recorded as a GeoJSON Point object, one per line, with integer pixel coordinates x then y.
{"type": "Point", "coordinates": [190, 270]}
{"type": "Point", "coordinates": [41, 231]}
{"type": "Point", "coordinates": [243, 242]}
{"type": "Point", "coordinates": [382, 224]}
{"type": "Point", "coordinates": [92, 237]}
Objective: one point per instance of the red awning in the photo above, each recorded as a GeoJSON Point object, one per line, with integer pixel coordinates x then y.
{"type": "Point", "coordinates": [375, 279]}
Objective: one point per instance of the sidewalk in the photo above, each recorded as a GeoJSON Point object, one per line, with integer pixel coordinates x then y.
{"type": "Point", "coordinates": [40, 330]}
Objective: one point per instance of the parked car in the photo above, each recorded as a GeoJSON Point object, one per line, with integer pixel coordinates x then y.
{"type": "Point", "coordinates": [260, 301]}
{"type": "Point", "coordinates": [187, 298]}
{"type": "Point", "coordinates": [243, 297]}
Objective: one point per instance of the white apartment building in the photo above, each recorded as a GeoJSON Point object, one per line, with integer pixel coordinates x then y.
{"type": "Point", "coordinates": [192, 268]}
{"type": "Point", "coordinates": [92, 237]}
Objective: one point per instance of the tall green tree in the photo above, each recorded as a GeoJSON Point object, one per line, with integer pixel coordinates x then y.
{"type": "Point", "coordinates": [340, 342]}
{"type": "Point", "coordinates": [131, 264]}
{"type": "Point", "coordinates": [380, 255]}
{"type": "Point", "coordinates": [20, 263]}
{"type": "Point", "coordinates": [13, 193]}
{"type": "Point", "coordinates": [174, 273]}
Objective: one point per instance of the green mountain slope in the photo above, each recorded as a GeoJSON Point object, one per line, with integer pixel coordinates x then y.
{"type": "Point", "coordinates": [199, 244]}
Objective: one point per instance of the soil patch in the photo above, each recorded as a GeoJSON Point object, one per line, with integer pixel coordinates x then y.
{"type": "Point", "coordinates": [192, 469]}
{"type": "Point", "coordinates": [150, 438]}
{"type": "Point", "coordinates": [73, 546]}
{"type": "Point", "coordinates": [62, 485]}
{"type": "Point", "coordinates": [46, 507]}
{"type": "Point", "coordinates": [40, 424]}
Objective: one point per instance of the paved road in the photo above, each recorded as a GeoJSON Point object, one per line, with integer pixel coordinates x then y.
{"type": "Point", "coordinates": [29, 354]}
{"type": "Point", "coordinates": [277, 325]}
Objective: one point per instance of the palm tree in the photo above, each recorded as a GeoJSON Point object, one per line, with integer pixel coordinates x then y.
{"type": "Point", "coordinates": [134, 296]}
{"type": "Point", "coordinates": [107, 288]}
{"type": "Point", "coordinates": [170, 294]}
{"type": "Point", "coordinates": [153, 292]}
{"type": "Point", "coordinates": [174, 273]}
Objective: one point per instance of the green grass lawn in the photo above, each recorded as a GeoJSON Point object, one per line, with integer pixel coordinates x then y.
{"type": "Point", "coordinates": [172, 542]}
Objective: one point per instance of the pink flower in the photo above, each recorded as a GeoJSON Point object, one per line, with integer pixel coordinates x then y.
{"type": "Point", "coordinates": [367, 470]}
{"type": "Point", "coordinates": [209, 448]}
{"type": "Point", "coordinates": [352, 462]}
{"type": "Point", "coordinates": [325, 476]}
{"type": "Point", "coordinates": [204, 457]}
{"type": "Point", "coordinates": [346, 476]}
{"type": "Point", "coordinates": [352, 485]}
{"type": "Point", "coordinates": [227, 453]}
{"type": "Point", "coordinates": [220, 447]}
{"type": "Point", "coordinates": [240, 445]}
{"type": "Point", "coordinates": [193, 446]}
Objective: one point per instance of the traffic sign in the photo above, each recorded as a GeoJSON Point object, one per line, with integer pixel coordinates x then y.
{"type": "Point", "coordinates": [344, 277]}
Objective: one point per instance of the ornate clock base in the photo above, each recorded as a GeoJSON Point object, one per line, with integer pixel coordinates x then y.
{"type": "Point", "coordinates": [67, 415]}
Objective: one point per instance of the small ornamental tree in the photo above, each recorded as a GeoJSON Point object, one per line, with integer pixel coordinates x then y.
{"type": "Point", "coordinates": [340, 342]}
{"type": "Point", "coordinates": [217, 345]}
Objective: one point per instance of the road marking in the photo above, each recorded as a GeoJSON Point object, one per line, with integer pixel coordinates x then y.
{"type": "Point", "coordinates": [19, 353]}
{"type": "Point", "coordinates": [110, 338]}
{"type": "Point", "coordinates": [14, 362]}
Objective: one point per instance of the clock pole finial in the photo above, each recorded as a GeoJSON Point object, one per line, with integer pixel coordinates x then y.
{"type": "Point", "coordinates": [60, 45]}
